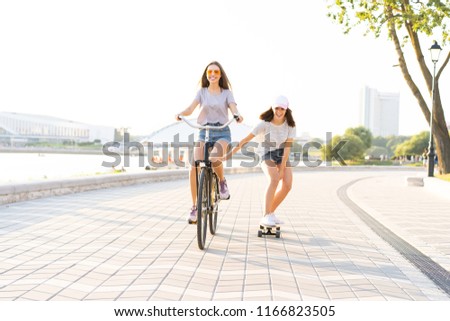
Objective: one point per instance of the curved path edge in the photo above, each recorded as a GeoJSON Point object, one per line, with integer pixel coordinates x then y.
{"type": "Point", "coordinates": [430, 268]}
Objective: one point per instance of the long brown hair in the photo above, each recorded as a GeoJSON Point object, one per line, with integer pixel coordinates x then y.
{"type": "Point", "coordinates": [268, 116]}
{"type": "Point", "coordinates": [223, 81]}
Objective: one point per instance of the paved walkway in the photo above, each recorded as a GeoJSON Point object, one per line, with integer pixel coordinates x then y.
{"type": "Point", "coordinates": [133, 243]}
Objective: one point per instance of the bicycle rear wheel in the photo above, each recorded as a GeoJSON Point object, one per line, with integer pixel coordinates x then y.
{"type": "Point", "coordinates": [214, 204]}
{"type": "Point", "coordinates": [202, 208]}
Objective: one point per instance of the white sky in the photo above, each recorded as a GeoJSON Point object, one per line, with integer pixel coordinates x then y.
{"type": "Point", "coordinates": [137, 63]}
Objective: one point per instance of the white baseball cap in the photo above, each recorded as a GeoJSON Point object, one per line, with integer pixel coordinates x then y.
{"type": "Point", "coordinates": [280, 101]}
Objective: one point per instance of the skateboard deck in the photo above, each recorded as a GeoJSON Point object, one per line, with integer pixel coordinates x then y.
{"type": "Point", "coordinates": [269, 230]}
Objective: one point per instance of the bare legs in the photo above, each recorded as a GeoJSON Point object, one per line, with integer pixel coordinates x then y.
{"type": "Point", "coordinates": [218, 150]}
{"type": "Point", "coordinates": [275, 194]}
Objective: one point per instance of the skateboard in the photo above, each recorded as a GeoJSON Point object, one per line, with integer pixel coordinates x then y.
{"type": "Point", "coordinates": [269, 230]}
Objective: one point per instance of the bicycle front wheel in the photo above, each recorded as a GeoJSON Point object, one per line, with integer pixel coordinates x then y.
{"type": "Point", "coordinates": [202, 208]}
{"type": "Point", "coordinates": [214, 203]}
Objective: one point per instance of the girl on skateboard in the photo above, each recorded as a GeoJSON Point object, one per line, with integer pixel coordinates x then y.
{"type": "Point", "coordinates": [276, 133]}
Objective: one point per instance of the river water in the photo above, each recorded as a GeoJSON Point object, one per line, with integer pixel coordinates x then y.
{"type": "Point", "coordinates": [27, 167]}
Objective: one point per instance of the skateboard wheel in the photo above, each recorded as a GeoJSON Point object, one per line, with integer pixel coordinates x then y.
{"type": "Point", "coordinates": [259, 233]}
{"type": "Point", "coordinates": [277, 234]}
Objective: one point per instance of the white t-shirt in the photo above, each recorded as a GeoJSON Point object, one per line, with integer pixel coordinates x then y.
{"type": "Point", "coordinates": [214, 108]}
{"type": "Point", "coordinates": [272, 137]}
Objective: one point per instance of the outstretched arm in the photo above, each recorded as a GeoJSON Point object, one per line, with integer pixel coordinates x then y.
{"type": "Point", "coordinates": [236, 148]}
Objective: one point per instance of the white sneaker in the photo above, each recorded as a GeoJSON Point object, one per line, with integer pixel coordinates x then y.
{"type": "Point", "coordinates": [277, 220]}
{"type": "Point", "coordinates": [267, 220]}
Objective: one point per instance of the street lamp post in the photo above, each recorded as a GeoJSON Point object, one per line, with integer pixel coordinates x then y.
{"type": "Point", "coordinates": [435, 51]}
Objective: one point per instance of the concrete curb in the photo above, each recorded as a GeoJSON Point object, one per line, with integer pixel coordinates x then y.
{"type": "Point", "coordinates": [414, 181]}
{"type": "Point", "coordinates": [33, 190]}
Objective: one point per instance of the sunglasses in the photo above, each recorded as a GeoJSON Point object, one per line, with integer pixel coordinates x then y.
{"type": "Point", "coordinates": [211, 71]}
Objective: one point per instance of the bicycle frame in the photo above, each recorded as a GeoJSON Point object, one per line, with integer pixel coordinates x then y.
{"type": "Point", "coordinates": [208, 184]}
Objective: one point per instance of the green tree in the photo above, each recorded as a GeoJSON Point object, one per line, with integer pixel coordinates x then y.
{"type": "Point", "coordinates": [353, 149]}
{"type": "Point", "coordinates": [413, 146]}
{"type": "Point", "coordinates": [393, 142]}
{"type": "Point", "coordinates": [389, 143]}
{"type": "Point", "coordinates": [380, 141]}
{"type": "Point", "coordinates": [406, 20]}
{"type": "Point", "coordinates": [377, 152]}
{"type": "Point", "coordinates": [363, 133]}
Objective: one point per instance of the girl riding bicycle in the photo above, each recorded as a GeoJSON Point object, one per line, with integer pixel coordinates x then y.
{"type": "Point", "coordinates": [276, 133]}
{"type": "Point", "coordinates": [215, 98]}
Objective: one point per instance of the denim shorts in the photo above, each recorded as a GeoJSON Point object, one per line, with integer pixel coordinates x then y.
{"type": "Point", "coordinates": [215, 134]}
{"type": "Point", "coordinates": [275, 156]}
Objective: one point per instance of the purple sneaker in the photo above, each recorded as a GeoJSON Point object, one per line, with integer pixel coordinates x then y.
{"type": "Point", "coordinates": [224, 193]}
{"type": "Point", "coordinates": [192, 219]}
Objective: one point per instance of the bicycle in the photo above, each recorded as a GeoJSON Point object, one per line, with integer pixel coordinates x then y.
{"type": "Point", "coordinates": [207, 184]}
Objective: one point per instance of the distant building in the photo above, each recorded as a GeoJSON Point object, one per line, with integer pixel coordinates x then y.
{"type": "Point", "coordinates": [20, 129]}
{"type": "Point", "coordinates": [380, 112]}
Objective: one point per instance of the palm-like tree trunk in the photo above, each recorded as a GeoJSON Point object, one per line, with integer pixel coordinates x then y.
{"type": "Point", "coordinates": [440, 130]}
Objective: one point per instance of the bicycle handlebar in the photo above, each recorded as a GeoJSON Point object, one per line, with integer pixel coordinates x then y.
{"type": "Point", "coordinates": [187, 121]}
